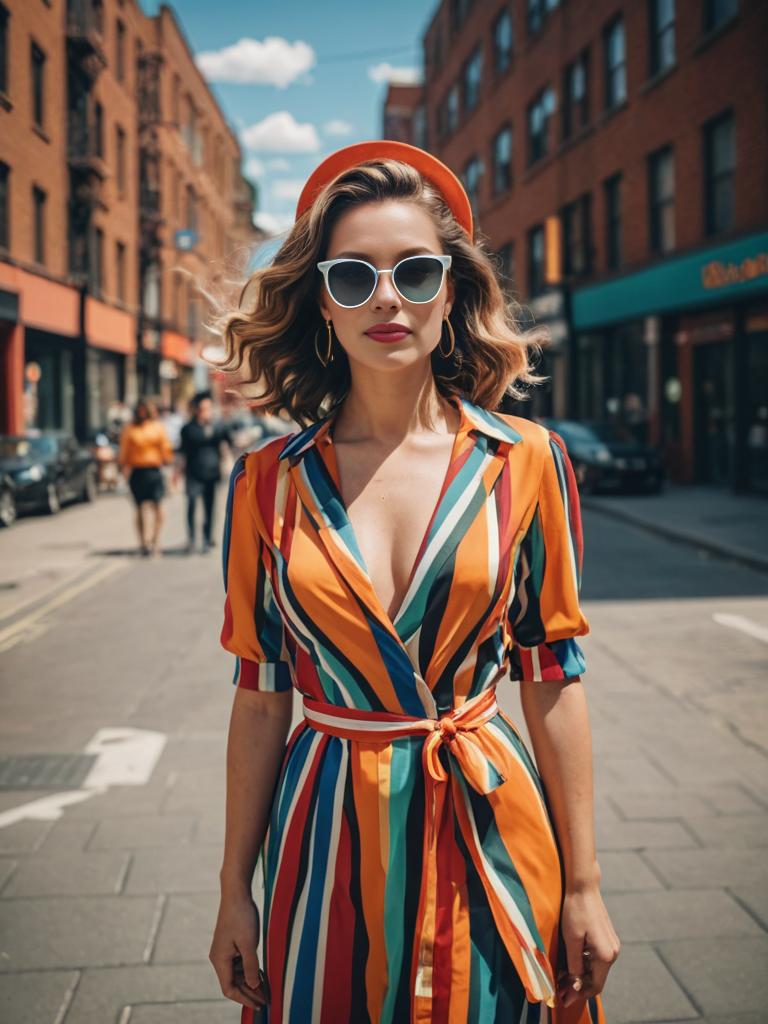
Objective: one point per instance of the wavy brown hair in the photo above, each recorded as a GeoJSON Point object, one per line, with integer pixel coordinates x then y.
{"type": "Point", "coordinates": [269, 337]}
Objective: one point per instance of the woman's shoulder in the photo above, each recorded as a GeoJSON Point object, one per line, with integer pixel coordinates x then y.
{"type": "Point", "coordinates": [264, 456]}
{"type": "Point", "coordinates": [535, 434]}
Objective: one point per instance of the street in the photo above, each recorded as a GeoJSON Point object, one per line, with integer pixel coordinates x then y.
{"type": "Point", "coordinates": [108, 897]}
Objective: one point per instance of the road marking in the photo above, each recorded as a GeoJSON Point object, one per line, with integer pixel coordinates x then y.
{"type": "Point", "coordinates": [124, 757]}
{"type": "Point", "coordinates": [743, 624]}
{"type": "Point", "coordinates": [29, 625]}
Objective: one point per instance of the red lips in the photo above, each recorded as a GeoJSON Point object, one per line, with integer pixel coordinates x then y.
{"type": "Point", "coordinates": [388, 328]}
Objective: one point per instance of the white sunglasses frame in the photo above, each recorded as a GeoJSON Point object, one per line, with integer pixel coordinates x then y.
{"type": "Point", "coordinates": [325, 265]}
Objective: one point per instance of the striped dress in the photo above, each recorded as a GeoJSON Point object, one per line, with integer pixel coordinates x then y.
{"type": "Point", "coordinates": [412, 873]}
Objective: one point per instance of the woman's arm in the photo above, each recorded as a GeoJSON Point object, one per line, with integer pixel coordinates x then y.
{"type": "Point", "coordinates": [556, 716]}
{"type": "Point", "coordinates": [558, 723]}
{"type": "Point", "coordinates": [258, 730]}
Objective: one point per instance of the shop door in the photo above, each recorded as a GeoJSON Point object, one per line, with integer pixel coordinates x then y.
{"type": "Point", "coordinates": [714, 420]}
{"type": "Point", "coordinates": [757, 415]}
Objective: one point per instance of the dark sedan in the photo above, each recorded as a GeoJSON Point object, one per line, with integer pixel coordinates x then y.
{"type": "Point", "coordinates": [46, 468]}
{"type": "Point", "coordinates": [607, 456]}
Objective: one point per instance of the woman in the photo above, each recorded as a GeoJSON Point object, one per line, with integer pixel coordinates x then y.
{"type": "Point", "coordinates": [144, 448]}
{"type": "Point", "coordinates": [393, 561]}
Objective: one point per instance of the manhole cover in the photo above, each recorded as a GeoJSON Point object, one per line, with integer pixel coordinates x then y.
{"type": "Point", "coordinates": [45, 771]}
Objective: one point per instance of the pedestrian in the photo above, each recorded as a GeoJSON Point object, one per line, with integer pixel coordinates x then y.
{"type": "Point", "coordinates": [144, 449]}
{"type": "Point", "coordinates": [418, 864]}
{"type": "Point", "coordinates": [200, 459]}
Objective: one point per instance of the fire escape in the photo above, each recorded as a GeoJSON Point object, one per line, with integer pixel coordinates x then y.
{"type": "Point", "coordinates": [87, 171]}
{"type": "Point", "coordinates": [150, 218]}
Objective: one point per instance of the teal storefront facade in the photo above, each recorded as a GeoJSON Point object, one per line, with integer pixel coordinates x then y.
{"type": "Point", "coordinates": [679, 352]}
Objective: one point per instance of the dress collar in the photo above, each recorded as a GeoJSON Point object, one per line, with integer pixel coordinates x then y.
{"type": "Point", "coordinates": [473, 417]}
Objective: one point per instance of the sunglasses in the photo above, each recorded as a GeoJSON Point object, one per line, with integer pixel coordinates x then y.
{"type": "Point", "coordinates": [352, 282]}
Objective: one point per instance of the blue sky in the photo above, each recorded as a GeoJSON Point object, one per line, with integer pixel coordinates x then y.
{"type": "Point", "coordinates": [299, 79]}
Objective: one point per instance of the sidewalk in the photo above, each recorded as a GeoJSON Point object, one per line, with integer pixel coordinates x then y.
{"type": "Point", "coordinates": [729, 525]}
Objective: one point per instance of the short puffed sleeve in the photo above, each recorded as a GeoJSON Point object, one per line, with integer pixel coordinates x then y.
{"type": "Point", "coordinates": [253, 628]}
{"type": "Point", "coordinates": [544, 615]}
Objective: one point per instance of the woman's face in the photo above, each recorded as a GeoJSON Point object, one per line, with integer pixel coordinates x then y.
{"type": "Point", "coordinates": [383, 233]}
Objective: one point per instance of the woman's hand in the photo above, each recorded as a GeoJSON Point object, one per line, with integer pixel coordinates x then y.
{"type": "Point", "coordinates": [591, 945]}
{"type": "Point", "coordinates": [233, 952]}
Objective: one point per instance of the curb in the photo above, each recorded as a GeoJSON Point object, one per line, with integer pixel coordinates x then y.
{"type": "Point", "coordinates": [694, 540]}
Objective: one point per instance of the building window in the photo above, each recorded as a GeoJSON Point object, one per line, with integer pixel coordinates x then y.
{"type": "Point", "coordinates": [662, 35]}
{"type": "Point", "coordinates": [615, 63]}
{"type": "Point", "coordinates": [38, 223]}
{"type": "Point", "coordinates": [459, 11]}
{"type": "Point", "coordinates": [5, 206]}
{"type": "Point", "coordinates": [536, 260]}
{"type": "Point", "coordinates": [717, 12]}
{"type": "Point", "coordinates": [98, 128]}
{"type": "Point", "coordinates": [419, 133]}
{"type": "Point", "coordinates": [120, 158]}
{"type": "Point", "coordinates": [96, 283]}
{"type": "Point", "coordinates": [719, 168]}
{"type": "Point", "coordinates": [502, 42]}
{"type": "Point", "coordinates": [575, 218]}
{"type": "Point", "coordinates": [575, 91]}
{"type": "Point", "coordinates": [662, 200]}
{"type": "Point", "coordinates": [437, 50]}
{"type": "Point", "coordinates": [176, 101]}
{"type": "Point", "coordinates": [507, 266]}
{"type": "Point", "coordinates": [613, 241]}
{"type": "Point", "coordinates": [540, 113]}
{"type": "Point", "coordinates": [191, 211]}
{"type": "Point", "coordinates": [473, 73]}
{"type": "Point", "coordinates": [472, 174]}
{"type": "Point", "coordinates": [4, 18]}
{"type": "Point", "coordinates": [536, 14]}
{"type": "Point", "coordinates": [452, 109]}
{"type": "Point", "coordinates": [120, 270]}
{"type": "Point", "coordinates": [120, 51]}
{"type": "Point", "coordinates": [502, 160]}
{"type": "Point", "coordinates": [37, 58]}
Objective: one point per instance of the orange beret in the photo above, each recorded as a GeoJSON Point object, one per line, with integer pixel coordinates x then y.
{"type": "Point", "coordinates": [429, 166]}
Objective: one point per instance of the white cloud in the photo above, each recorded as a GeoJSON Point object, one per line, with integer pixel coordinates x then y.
{"type": "Point", "coordinates": [278, 163]}
{"type": "Point", "coordinates": [287, 189]}
{"type": "Point", "coordinates": [385, 72]}
{"type": "Point", "coordinates": [272, 223]}
{"type": "Point", "coordinates": [281, 133]}
{"type": "Point", "coordinates": [273, 61]}
{"type": "Point", "coordinates": [254, 168]}
{"type": "Point", "coordinates": [337, 127]}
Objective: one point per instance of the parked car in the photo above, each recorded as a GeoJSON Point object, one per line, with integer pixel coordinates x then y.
{"type": "Point", "coordinates": [8, 511]}
{"type": "Point", "coordinates": [48, 468]}
{"type": "Point", "coordinates": [608, 457]}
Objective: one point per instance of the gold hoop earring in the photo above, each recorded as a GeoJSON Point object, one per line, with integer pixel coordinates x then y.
{"type": "Point", "coordinates": [451, 335]}
{"type": "Point", "coordinates": [329, 354]}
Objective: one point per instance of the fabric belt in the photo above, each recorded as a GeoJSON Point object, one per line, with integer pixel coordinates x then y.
{"type": "Point", "coordinates": [461, 732]}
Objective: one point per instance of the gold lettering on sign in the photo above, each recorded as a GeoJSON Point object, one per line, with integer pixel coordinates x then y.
{"type": "Point", "coordinates": [720, 275]}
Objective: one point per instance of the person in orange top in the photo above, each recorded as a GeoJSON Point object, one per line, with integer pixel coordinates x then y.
{"type": "Point", "coordinates": [144, 448]}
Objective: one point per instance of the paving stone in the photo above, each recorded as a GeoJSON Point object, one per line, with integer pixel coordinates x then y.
{"type": "Point", "coordinates": [69, 874]}
{"type": "Point", "coordinates": [724, 976]}
{"type": "Point", "coordinates": [633, 773]}
{"type": "Point", "coordinates": [187, 927]}
{"type": "Point", "coordinates": [640, 988]}
{"type": "Point", "coordinates": [34, 997]}
{"type": "Point", "coordinates": [222, 1012]}
{"type": "Point", "coordinates": [671, 804]}
{"type": "Point", "coordinates": [103, 992]}
{"type": "Point", "coordinates": [625, 870]}
{"type": "Point", "coordinates": [25, 836]}
{"type": "Point", "coordinates": [716, 867]}
{"type": "Point", "coordinates": [677, 914]}
{"type": "Point", "coordinates": [755, 897]}
{"type": "Point", "coordinates": [642, 835]}
{"type": "Point", "coordinates": [131, 800]}
{"type": "Point", "coordinates": [731, 800]}
{"type": "Point", "coordinates": [741, 831]}
{"type": "Point", "coordinates": [136, 832]}
{"type": "Point", "coordinates": [7, 868]}
{"type": "Point", "coordinates": [193, 868]}
{"type": "Point", "coordinates": [67, 836]}
{"type": "Point", "coordinates": [74, 931]}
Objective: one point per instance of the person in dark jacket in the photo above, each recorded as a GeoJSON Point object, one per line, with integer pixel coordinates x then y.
{"type": "Point", "coordinates": [200, 449]}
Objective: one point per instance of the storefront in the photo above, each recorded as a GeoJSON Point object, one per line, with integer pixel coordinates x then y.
{"type": "Point", "coordinates": [679, 351]}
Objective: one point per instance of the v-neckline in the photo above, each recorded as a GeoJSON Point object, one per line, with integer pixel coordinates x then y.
{"type": "Point", "coordinates": [393, 620]}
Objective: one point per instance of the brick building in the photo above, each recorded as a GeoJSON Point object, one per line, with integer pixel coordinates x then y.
{"type": "Point", "coordinates": [116, 165]}
{"type": "Point", "coordinates": [616, 155]}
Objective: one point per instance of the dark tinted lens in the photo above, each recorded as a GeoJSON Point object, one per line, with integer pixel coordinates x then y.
{"type": "Point", "coordinates": [350, 283]}
{"type": "Point", "coordinates": [418, 279]}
